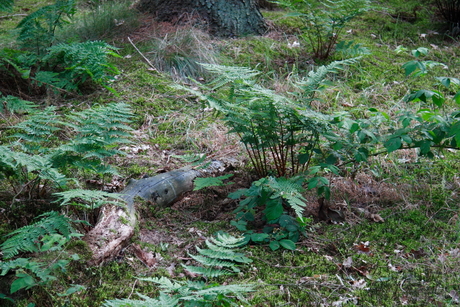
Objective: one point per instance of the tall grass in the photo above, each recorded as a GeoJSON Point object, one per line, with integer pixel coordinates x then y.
{"type": "Point", "coordinates": [180, 52]}
{"type": "Point", "coordinates": [102, 20]}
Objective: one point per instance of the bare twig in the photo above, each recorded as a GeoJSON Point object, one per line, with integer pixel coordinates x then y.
{"type": "Point", "coordinates": [142, 55]}
{"type": "Point", "coordinates": [14, 15]}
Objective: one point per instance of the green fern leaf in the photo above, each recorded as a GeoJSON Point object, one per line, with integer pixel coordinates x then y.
{"type": "Point", "coordinates": [98, 132]}
{"type": "Point", "coordinates": [80, 62]}
{"type": "Point", "coordinates": [15, 105]}
{"type": "Point", "coordinates": [164, 283]}
{"type": "Point", "coordinates": [228, 241]}
{"type": "Point", "coordinates": [6, 5]}
{"type": "Point", "coordinates": [88, 199]}
{"type": "Point", "coordinates": [201, 183]}
{"type": "Point", "coordinates": [207, 272]}
{"type": "Point", "coordinates": [27, 238]}
{"type": "Point", "coordinates": [289, 190]}
{"type": "Point", "coordinates": [37, 29]}
{"type": "Point", "coordinates": [207, 261]}
{"type": "Point", "coordinates": [38, 130]}
{"type": "Point", "coordinates": [316, 78]}
{"type": "Point", "coordinates": [221, 253]}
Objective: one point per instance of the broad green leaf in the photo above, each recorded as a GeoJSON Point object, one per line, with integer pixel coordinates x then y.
{"type": "Point", "coordinates": [316, 182]}
{"type": "Point", "coordinates": [457, 97]}
{"type": "Point", "coordinates": [24, 281]}
{"type": "Point", "coordinates": [393, 144]}
{"type": "Point", "coordinates": [412, 66]}
{"type": "Point", "coordinates": [274, 211]}
{"type": "Point", "coordinates": [285, 220]}
{"type": "Point", "coordinates": [274, 245]}
{"type": "Point", "coordinates": [72, 290]}
{"type": "Point", "coordinates": [420, 51]}
{"type": "Point", "coordinates": [455, 132]}
{"type": "Point", "coordinates": [259, 237]}
{"type": "Point", "coordinates": [304, 158]}
{"type": "Point", "coordinates": [287, 244]}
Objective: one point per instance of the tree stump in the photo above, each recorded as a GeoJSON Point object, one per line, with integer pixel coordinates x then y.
{"type": "Point", "coordinates": [227, 18]}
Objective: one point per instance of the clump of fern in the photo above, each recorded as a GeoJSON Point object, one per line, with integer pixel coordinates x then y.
{"type": "Point", "coordinates": [218, 259]}
{"type": "Point", "coordinates": [280, 135]}
{"type": "Point", "coordinates": [49, 234]}
{"type": "Point", "coordinates": [77, 63]}
{"type": "Point", "coordinates": [42, 62]}
{"type": "Point", "coordinates": [35, 161]}
{"type": "Point", "coordinates": [37, 30]}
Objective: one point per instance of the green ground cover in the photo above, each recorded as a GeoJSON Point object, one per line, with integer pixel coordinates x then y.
{"type": "Point", "coordinates": [396, 239]}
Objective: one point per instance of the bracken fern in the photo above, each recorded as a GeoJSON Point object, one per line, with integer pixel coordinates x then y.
{"type": "Point", "coordinates": [27, 238]}
{"type": "Point", "coordinates": [198, 293]}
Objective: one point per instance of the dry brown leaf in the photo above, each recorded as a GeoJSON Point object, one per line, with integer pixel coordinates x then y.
{"type": "Point", "coordinates": [146, 257]}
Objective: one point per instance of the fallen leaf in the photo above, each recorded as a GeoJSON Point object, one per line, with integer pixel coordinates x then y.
{"type": "Point", "coordinates": [377, 218]}
{"type": "Point", "coordinates": [454, 295]}
{"type": "Point", "coordinates": [347, 263]}
{"type": "Point", "coordinates": [363, 249]}
{"type": "Point", "coordinates": [345, 300]}
{"type": "Point", "coordinates": [359, 284]}
{"type": "Point", "coordinates": [146, 257]}
{"type": "Point", "coordinates": [394, 268]}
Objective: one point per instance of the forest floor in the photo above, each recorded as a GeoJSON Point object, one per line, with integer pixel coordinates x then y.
{"type": "Point", "coordinates": [389, 235]}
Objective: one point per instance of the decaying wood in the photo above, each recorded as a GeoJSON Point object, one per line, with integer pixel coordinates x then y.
{"type": "Point", "coordinates": [116, 224]}
{"type": "Point", "coordinates": [111, 233]}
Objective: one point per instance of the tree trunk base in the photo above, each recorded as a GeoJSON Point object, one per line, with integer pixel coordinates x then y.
{"type": "Point", "coordinates": [227, 18]}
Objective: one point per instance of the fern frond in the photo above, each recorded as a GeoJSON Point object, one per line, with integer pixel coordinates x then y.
{"type": "Point", "coordinates": [205, 182]}
{"type": "Point", "coordinates": [15, 105]}
{"type": "Point", "coordinates": [289, 190]}
{"type": "Point", "coordinates": [223, 253]}
{"type": "Point", "coordinates": [163, 300]}
{"type": "Point", "coordinates": [208, 261]}
{"type": "Point", "coordinates": [219, 255]}
{"type": "Point", "coordinates": [11, 162]}
{"type": "Point", "coordinates": [81, 62]}
{"type": "Point", "coordinates": [27, 238]}
{"type": "Point", "coordinates": [226, 240]}
{"type": "Point", "coordinates": [207, 272]}
{"type": "Point", "coordinates": [98, 132]}
{"type": "Point", "coordinates": [164, 283]}
{"type": "Point", "coordinates": [38, 130]}
{"type": "Point", "coordinates": [88, 199]}
{"type": "Point", "coordinates": [6, 5]}
{"type": "Point", "coordinates": [229, 74]}
{"type": "Point", "coordinates": [316, 78]}
{"type": "Point", "coordinates": [224, 289]}
{"type": "Point", "coordinates": [37, 29]}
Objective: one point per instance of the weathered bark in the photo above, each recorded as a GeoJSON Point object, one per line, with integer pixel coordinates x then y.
{"type": "Point", "coordinates": [224, 17]}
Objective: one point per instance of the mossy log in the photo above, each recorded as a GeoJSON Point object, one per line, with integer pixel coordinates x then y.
{"type": "Point", "coordinates": [116, 225]}
{"type": "Point", "coordinates": [224, 17]}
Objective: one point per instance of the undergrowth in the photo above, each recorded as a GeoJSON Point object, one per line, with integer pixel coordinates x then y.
{"type": "Point", "coordinates": [407, 254]}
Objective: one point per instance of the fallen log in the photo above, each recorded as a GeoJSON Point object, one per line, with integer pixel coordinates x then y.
{"type": "Point", "coordinates": [116, 224]}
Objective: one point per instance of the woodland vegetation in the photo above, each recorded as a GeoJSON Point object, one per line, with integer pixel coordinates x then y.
{"type": "Point", "coordinates": [337, 130]}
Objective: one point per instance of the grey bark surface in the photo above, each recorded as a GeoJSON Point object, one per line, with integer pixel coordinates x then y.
{"type": "Point", "coordinates": [224, 17]}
